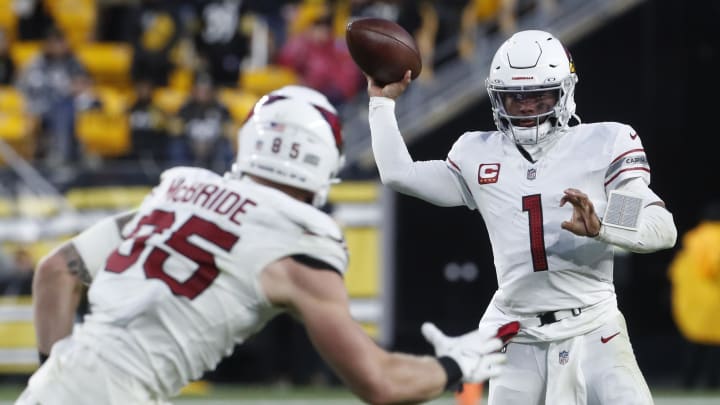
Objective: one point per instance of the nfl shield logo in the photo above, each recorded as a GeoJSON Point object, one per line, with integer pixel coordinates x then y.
{"type": "Point", "coordinates": [564, 357]}
{"type": "Point", "coordinates": [531, 173]}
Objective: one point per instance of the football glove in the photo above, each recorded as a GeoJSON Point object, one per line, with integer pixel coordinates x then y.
{"type": "Point", "coordinates": [476, 353]}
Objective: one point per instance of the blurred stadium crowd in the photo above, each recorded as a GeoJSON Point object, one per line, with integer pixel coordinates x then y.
{"type": "Point", "coordinates": [97, 97]}
{"type": "Point", "coordinates": [114, 91]}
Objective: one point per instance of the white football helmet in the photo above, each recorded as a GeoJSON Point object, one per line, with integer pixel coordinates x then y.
{"type": "Point", "coordinates": [293, 142]}
{"type": "Point", "coordinates": [312, 96]}
{"type": "Point", "coordinates": [532, 63]}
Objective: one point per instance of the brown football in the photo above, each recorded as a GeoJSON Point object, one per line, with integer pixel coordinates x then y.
{"type": "Point", "coordinates": [382, 49]}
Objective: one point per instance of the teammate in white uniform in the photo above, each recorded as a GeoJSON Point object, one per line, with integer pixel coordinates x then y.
{"type": "Point", "coordinates": [206, 261]}
{"type": "Point", "coordinates": [538, 183]}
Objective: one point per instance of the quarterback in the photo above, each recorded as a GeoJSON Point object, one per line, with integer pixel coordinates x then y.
{"type": "Point", "coordinates": [557, 197]}
{"type": "Point", "coordinates": [207, 260]}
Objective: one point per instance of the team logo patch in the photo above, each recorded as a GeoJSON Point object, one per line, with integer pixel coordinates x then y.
{"type": "Point", "coordinates": [488, 173]}
{"type": "Point", "coordinates": [564, 357]}
{"type": "Point", "coordinates": [531, 174]}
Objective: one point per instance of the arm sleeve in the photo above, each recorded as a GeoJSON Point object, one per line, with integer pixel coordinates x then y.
{"type": "Point", "coordinates": [656, 228]}
{"type": "Point", "coordinates": [430, 180]}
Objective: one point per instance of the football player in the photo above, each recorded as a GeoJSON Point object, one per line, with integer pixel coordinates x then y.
{"type": "Point", "coordinates": [207, 260]}
{"type": "Point", "coordinates": [557, 197]}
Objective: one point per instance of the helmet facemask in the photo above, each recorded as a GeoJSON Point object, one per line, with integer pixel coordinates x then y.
{"type": "Point", "coordinates": [547, 113]}
{"type": "Point", "coordinates": [531, 87]}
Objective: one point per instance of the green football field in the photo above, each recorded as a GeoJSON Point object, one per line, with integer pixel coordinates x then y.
{"type": "Point", "coordinates": [272, 395]}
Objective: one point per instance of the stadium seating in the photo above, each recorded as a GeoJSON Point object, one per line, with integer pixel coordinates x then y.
{"type": "Point", "coordinates": [307, 12]}
{"type": "Point", "coordinates": [13, 127]}
{"type": "Point", "coordinates": [115, 100]}
{"type": "Point", "coordinates": [76, 18]}
{"type": "Point", "coordinates": [22, 52]}
{"type": "Point", "coordinates": [11, 100]}
{"type": "Point", "coordinates": [181, 79]}
{"type": "Point", "coordinates": [16, 130]}
{"type": "Point", "coordinates": [108, 62]}
{"type": "Point", "coordinates": [485, 10]}
{"type": "Point", "coordinates": [104, 134]}
{"type": "Point", "coordinates": [8, 19]}
{"type": "Point", "coordinates": [266, 79]}
{"type": "Point", "coordinates": [239, 102]}
{"type": "Point", "coordinates": [170, 99]}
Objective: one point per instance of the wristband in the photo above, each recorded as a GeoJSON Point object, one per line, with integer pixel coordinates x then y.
{"type": "Point", "coordinates": [42, 357]}
{"type": "Point", "coordinates": [452, 370]}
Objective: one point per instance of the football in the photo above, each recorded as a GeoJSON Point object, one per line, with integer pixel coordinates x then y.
{"type": "Point", "coordinates": [382, 49]}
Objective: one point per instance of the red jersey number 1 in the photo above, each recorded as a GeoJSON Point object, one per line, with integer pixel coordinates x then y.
{"type": "Point", "coordinates": [533, 205]}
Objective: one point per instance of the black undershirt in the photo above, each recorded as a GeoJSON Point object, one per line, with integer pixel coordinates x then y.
{"type": "Point", "coordinates": [314, 263]}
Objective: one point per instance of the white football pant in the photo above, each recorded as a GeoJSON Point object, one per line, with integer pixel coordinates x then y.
{"type": "Point", "coordinates": [598, 368]}
{"type": "Point", "coordinates": [75, 374]}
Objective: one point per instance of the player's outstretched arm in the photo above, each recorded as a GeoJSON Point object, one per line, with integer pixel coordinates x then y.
{"type": "Point", "coordinates": [56, 292]}
{"type": "Point", "coordinates": [429, 180]}
{"type": "Point", "coordinates": [320, 300]}
{"type": "Point", "coordinates": [60, 275]}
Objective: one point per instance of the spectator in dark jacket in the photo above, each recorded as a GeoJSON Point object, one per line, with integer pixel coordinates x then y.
{"type": "Point", "coordinates": [148, 127]}
{"type": "Point", "coordinates": [155, 30]}
{"type": "Point", "coordinates": [7, 67]}
{"type": "Point", "coordinates": [220, 40]}
{"type": "Point", "coordinates": [47, 85]}
{"type": "Point", "coordinates": [202, 130]}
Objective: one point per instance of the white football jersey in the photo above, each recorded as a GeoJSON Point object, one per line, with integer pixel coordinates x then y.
{"type": "Point", "coordinates": [183, 289]}
{"type": "Point", "coordinates": [540, 266]}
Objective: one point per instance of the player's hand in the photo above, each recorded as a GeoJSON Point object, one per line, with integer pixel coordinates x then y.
{"type": "Point", "coordinates": [391, 90]}
{"type": "Point", "coordinates": [477, 352]}
{"type": "Point", "coordinates": [584, 221]}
